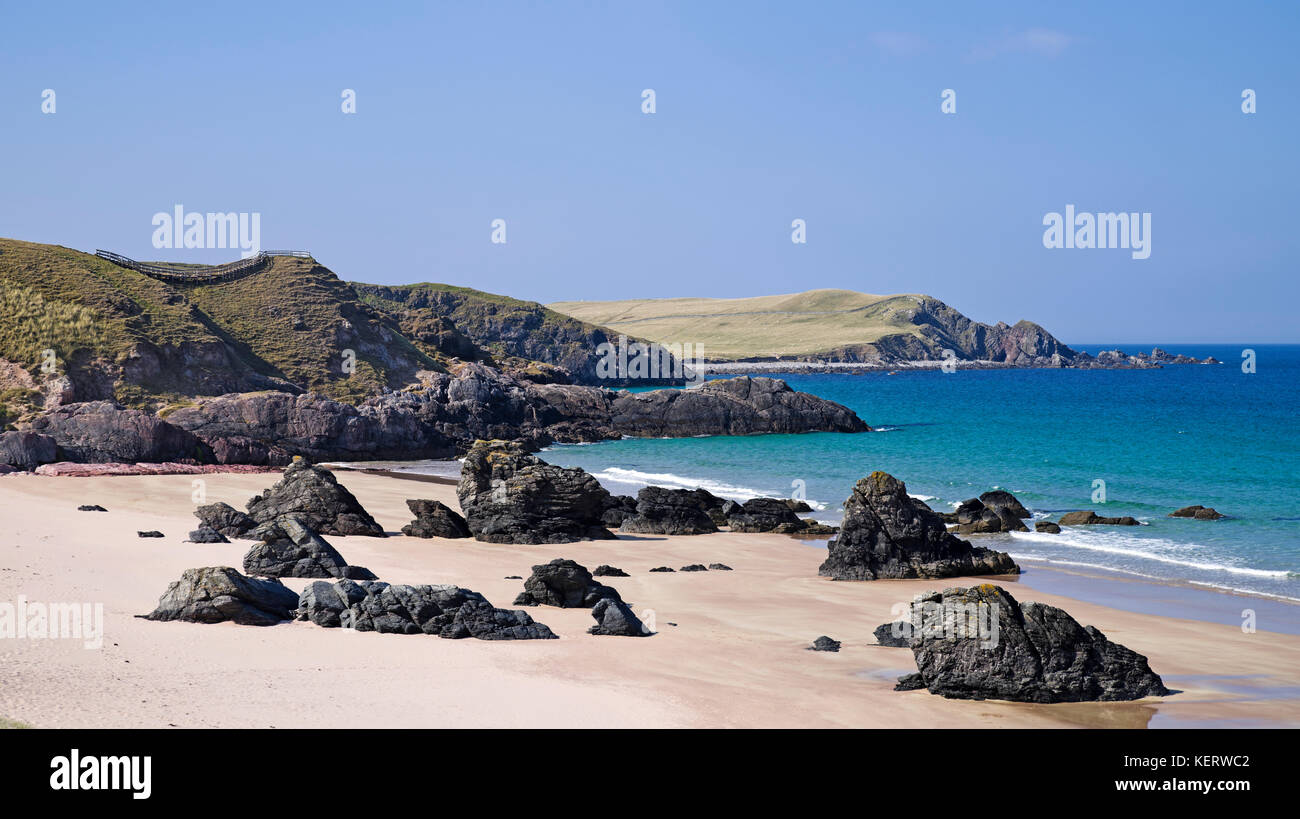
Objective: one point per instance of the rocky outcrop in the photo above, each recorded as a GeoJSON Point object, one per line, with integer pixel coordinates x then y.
{"type": "Point", "coordinates": [206, 534]}
{"type": "Point", "coordinates": [447, 611]}
{"type": "Point", "coordinates": [888, 534]}
{"type": "Point", "coordinates": [661, 511]}
{"type": "Point", "coordinates": [824, 643]}
{"type": "Point", "coordinates": [980, 643]}
{"type": "Point", "coordinates": [434, 519]}
{"type": "Point", "coordinates": [618, 509]}
{"type": "Point", "coordinates": [999, 500]}
{"type": "Point", "coordinates": [605, 570]}
{"type": "Point", "coordinates": [510, 496]}
{"type": "Point", "coordinates": [25, 449]}
{"type": "Point", "coordinates": [218, 594]}
{"type": "Point", "coordinates": [897, 634]}
{"type": "Point", "coordinates": [1198, 512]}
{"type": "Point", "coordinates": [1047, 526]}
{"type": "Point", "coordinates": [764, 515]}
{"type": "Point", "coordinates": [614, 618]}
{"type": "Point", "coordinates": [973, 517]}
{"type": "Point", "coordinates": [225, 519]}
{"type": "Point", "coordinates": [315, 497]}
{"type": "Point", "coordinates": [565, 584]}
{"type": "Point", "coordinates": [105, 432]}
{"type": "Point", "coordinates": [1091, 518]}
{"type": "Point", "coordinates": [289, 548]}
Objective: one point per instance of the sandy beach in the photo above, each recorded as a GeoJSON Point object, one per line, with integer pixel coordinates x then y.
{"type": "Point", "coordinates": [730, 649]}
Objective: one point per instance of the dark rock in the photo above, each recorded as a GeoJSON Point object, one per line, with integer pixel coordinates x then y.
{"type": "Point", "coordinates": [719, 567]}
{"type": "Point", "coordinates": [797, 506]}
{"type": "Point", "coordinates": [510, 496]}
{"type": "Point", "coordinates": [151, 533]}
{"type": "Point", "coordinates": [662, 569]}
{"type": "Point", "coordinates": [25, 449]}
{"type": "Point", "coordinates": [887, 534]}
{"type": "Point", "coordinates": [1001, 499]}
{"type": "Point", "coordinates": [814, 529]}
{"type": "Point", "coordinates": [434, 519]}
{"type": "Point", "coordinates": [663, 511]}
{"type": "Point", "coordinates": [563, 583]}
{"type": "Point", "coordinates": [604, 570]}
{"type": "Point", "coordinates": [1030, 652]}
{"type": "Point", "coordinates": [105, 432]}
{"type": "Point", "coordinates": [618, 509]}
{"type": "Point", "coordinates": [894, 635]}
{"type": "Point", "coordinates": [615, 619]}
{"type": "Point", "coordinates": [910, 682]}
{"type": "Point", "coordinates": [764, 515]}
{"type": "Point", "coordinates": [317, 499]}
{"type": "Point", "coordinates": [447, 611]}
{"type": "Point", "coordinates": [973, 517]}
{"type": "Point", "coordinates": [513, 577]}
{"type": "Point", "coordinates": [91, 508]}
{"type": "Point", "coordinates": [1198, 512]}
{"type": "Point", "coordinates": [289, 548]}
{"type": "Point", "coordinates": [1047, 526]}
{"type": "Point", "coordinates": [695, 567]}
{"type": "Point", "coordinates": [226, 519]}
{"type": "Point", "coordinates": [218, 593]}
{"type": "Point", "coordinates": [206, 534]}
{"type": "Point", "coordinates": [1091, 518]}
{"type": "Point", "coordinates": [824, 643]}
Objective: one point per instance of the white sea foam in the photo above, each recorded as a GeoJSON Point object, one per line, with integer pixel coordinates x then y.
{"type": "Point", "coordinates": [616, 474]}
{"type": "Point", "coordinates": [1140, 548]}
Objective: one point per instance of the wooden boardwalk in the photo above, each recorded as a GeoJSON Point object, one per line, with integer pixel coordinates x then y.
{"type": "Point", "coordinates": [201, 274]}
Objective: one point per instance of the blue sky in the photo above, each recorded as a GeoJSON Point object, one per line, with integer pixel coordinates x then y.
{"type": "Point", "coordinates": [766, 112]}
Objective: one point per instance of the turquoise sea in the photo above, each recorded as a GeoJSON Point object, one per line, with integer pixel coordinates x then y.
{"type": "Point", "coordinates": [1159, 439]}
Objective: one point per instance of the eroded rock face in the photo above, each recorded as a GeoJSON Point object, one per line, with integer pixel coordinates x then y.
{"type": "Point", "coordinates": [663, 511]}
{"type": "Point", "coordinates": [105, 432]}
{"type": "Point", "coordinates": [510, 496]}
{"type": "Point", "coordinates": [219, 593]}
{"type": "Point", "coordinates": [615, 618]}
{"type": "Point", "coordinates": [317, 499]}
{"type": "Point", "coordinates": [25, 449]}
{"type": "Point", "coordinates": [1091, 518]}
{"type": "Point", "coordinates": [434, 519]}
{"type": "Point", "coordinates": [887, 534]}
{"type": "Point", "coordinates": [563, 583]}
{"type": "Point", "coordinates": [449, 612]}
{"type": "Point", "coordinates": [1030, 652]}
{"type": "Point", "coordinates": [289, 548]}
{"type": "Point", "coordinates": [1198, 512]}
{"type": "Point", "coordinates": [225, 519]}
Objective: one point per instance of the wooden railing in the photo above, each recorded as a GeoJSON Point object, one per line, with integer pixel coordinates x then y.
{"type": "Point", "coordinates": [200, 273]}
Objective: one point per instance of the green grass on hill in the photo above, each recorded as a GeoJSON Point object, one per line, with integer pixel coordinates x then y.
{"type": "Point", "coordinates": [797, 324]}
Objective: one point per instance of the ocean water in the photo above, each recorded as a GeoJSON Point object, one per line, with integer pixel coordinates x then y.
{"type": "Point", "coordinates": [1158, 439]}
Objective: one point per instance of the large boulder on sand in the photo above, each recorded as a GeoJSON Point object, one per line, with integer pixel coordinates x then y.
{"type": "Point", "coordinates": [27, 450]}
{"type": "Point", "coordinates": [614, 618]}
{"type": "Point", "coordinates": [661, 511]}
{"type": "Point", "coordinates": [563, 583]}
{"type": "Point", "coordinates": [219, 593]}
{"type": "Point", "coordinates": [888, 534]}
{"type": "Point", "coordinates": [434, 519]}
{"type": "Point", "coordinates": [289, 548]}
{"type": "Point", "coordinates": [980, 643]}
{"type": "Point", "coordinates": [511, 496]}
{"type": "Point", "coordinates": [315, 496]}
{"type": "Point", "coordinates": [447, 611]}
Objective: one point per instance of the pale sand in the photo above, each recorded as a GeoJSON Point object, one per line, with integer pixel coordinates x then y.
{"type": "Point", "coordinates": [735, 658]}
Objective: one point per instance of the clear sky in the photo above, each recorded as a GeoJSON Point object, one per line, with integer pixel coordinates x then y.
{"type": "Point", "coordinates": [766, 112]}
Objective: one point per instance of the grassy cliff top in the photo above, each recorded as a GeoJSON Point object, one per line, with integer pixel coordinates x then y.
{"type": "Point", "coordinates": [808, 323]}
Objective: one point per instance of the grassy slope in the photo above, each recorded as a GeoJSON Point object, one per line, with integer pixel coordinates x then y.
{"type": "Point", "coordinates": [796, 324]}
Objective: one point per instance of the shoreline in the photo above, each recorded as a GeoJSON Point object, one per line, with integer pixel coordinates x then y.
{"type": "Point", "coordinates": [733, 656]}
